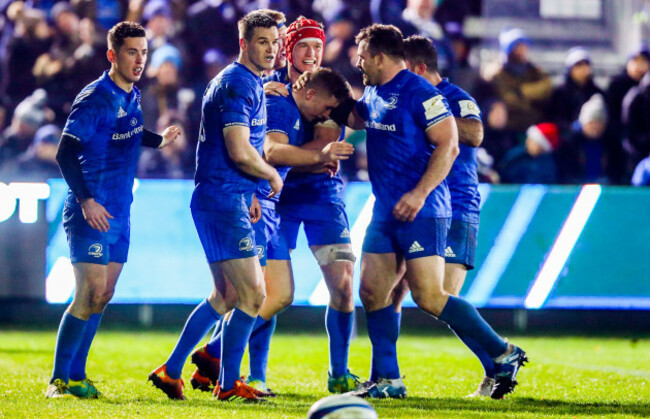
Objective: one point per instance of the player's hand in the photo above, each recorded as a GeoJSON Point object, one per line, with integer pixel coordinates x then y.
{"type": "Point", "coordinates": [255, 210]}
{"type": "Point", "coordinates": [274, 88]}
{"type": "Point", "coordinates": [409, 205]}
{"type": "Point", "coordinates": [276, 184]}
{"type": "Point", "coordinates": [331, 168]}
{"type": "Point", "coordinates": [336, 150]}
{"type": "Point", "coordinates": [302, 80]}
{"type": "Point", "coordinates": [170, 134]}
{"type": "Point", "coordinates": [96, 215]}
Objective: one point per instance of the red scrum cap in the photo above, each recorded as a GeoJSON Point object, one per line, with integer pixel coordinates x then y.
{"type": "Point", "coordinates": [300, 30]}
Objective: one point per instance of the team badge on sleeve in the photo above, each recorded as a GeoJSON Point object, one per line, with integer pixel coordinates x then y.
{"type": "Point", "coordinates": [434, 107]}
{"type": "Point", "coordinates": [467, 107]}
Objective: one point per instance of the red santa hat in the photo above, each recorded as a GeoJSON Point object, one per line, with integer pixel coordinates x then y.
{"type": "Point", "coordinates": [546, 135]}
{"type": "Point", "coordinates": [303, 29]}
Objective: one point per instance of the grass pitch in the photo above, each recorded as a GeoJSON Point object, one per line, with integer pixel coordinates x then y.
{"type": "Point", "coordinates": [568, 377]}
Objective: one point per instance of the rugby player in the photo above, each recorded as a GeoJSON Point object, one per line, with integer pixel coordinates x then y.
{"type": "Point", "coordinates": [98, 154]}
{"type": "Point", "coordinates": [412, 142]}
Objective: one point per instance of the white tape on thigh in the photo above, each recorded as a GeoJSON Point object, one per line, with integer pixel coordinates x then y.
{"type": "Point", "coordinates": [334, 253]}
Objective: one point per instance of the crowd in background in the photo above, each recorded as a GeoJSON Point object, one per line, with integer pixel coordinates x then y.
{"type": "Point", "coordinates": [536, 131]}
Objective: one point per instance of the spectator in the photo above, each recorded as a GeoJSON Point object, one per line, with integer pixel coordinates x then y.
{"type": "Point", "coordinates": [522, 87]}
{"type": "Point", "coordinates": [38, 163]}
{"type": "Point", "coordinates": [31, 38]}
{"type": "Point", "coordinates": [581, 159]}
{"type": "Point", "coordinates": [635, 68]}
{"type": "Point", "coordinates": [172, 162]}
{"type": "Point", "coordinates": [533, 162]}
{"type": "Point", "coordinates": [54, 69]}
{"type": "Point", "coordinates": [636, 121]}
{"type": "Point", "coordinates": [340, 39]}
{"type": "Point", "coordinates": [577, 87]}
{"type": "Point", "coordinates": [166, 92]}
{"type": "Point", "coordinates": [28, 117]}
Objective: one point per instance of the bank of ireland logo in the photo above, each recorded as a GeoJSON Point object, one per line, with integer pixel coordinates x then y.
{"type": "Point", "coordinates": [246, 244]}
{"type": "Point", "coordinates": [134, 122]}
{"type": "Point", "coordinates": [95, 250]}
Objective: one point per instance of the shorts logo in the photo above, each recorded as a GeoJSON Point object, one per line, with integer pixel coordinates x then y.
{"type": "Point", "coordinates": [245, 244]}
{"type": "Point", "coordinates": [415, 247]}
{"type": "Point", "coordinates": [345, 233]}
{"type": "Point", "coordinates": [260, 251]}
{"type": "Point", "coordinates": [449, 253]}
{"type": "Point", "coordinates": [95, 250]}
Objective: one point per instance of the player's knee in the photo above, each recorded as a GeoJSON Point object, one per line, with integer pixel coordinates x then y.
{"type": "Point", "coordinates": [257, 297]}
{"type": "Point", "coordinates": [285, 301]}
{"type": "Point", "coordinates": [341, 295]}
{"type": "Point", "coordinates": [428, 302]}
{"type": "Point", "coordinates": [370, 297]}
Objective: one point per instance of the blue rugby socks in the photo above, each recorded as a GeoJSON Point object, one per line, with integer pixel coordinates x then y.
{"type": "Point", "coordinates": [68, 340]}
{"type": "Point", "coordinates": [78, 365]}
{"type": "Point", "coordinates": [463, 318]}
{"type": "Point", "coordinates": [339, 328]}
{"type": "Point", "coordinates": [235, 335]}
{"type": "Point", "coordinates": [197, 325]}
{"type": "Point", "coordinates": [259, 345]}
{"type": "Point", "coordinates": [486, 361]}
{"type": "Point", "coordinates": [214, 346]}
{"type": "Point", "coordinates": [383, 330]}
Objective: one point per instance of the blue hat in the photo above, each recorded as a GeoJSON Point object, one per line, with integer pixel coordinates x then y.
{"type": "Point", "coordinates": [576, 55]}
{"type": "Point", "coordinates": [509, 38]}
{"type": "Point", "coordinates": [641, 49]}
{"type": "Point", "coordinates": [166, 54]}
{"type": "Point", "coordinates": [49, 133]}
{"type": "Point", "coordinates": [156, 8]}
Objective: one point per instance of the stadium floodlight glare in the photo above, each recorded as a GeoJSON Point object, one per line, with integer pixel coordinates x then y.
{"type": "Point", "coordinates": [513, 229]}
{"type": "Point", "coordinates": [563, 246]}
{"type": "Point", "coordinates": [320, 296]}
{"type": "Point", "coordinates": [59, 284]}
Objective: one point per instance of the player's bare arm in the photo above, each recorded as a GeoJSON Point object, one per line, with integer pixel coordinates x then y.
{"type": "Point", "coordinates": [470, 131]}
{"type": "Point", "coordinates": [247, 159]}
{"type": "Point", "coordinates": [278, 151]}
{"type": "Point", "coordinates": [444, 136]}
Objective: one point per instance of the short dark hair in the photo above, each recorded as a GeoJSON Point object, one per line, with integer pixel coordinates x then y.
{"type": "Point", "coordinates": [252, 20]}
{"type": "Point", "coordinates": [329, 80]}
{"type": "Point", "coordinates": [385, 39]}
{"type": "Point", "coordinates": [420, 50]}
{"type": "Point", "coordinates": [276, 15]}
{"type": "Point", "coordinates": [118, 33]}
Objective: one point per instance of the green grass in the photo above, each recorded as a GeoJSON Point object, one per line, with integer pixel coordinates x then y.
{"type": "Point", "coordinates": [567, 377]}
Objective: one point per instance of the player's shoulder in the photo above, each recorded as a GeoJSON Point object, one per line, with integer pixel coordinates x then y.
{"type": "Point", "coordinates": [453, 91]}
{"type": "Point", "coordinates": [95, 95]}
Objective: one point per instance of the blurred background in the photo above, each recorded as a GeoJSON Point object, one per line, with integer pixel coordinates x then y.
{"type": "Point", "coordinates": [564, 232]}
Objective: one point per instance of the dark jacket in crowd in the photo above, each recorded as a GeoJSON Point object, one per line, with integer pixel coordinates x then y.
{"type": "Point", "coordinates": [567, 100]}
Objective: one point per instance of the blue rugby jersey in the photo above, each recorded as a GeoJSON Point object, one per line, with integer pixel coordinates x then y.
{"type": "Point", "coordinates": [396, 115]}
{"type": "Point", "coordinates": [312, 188]}
{"type": "Point", "coordinates": [283, 116]}
{"type": "Point", "coordinates": [107, 121]}
{"type": "Point", "coordinates": [463, 176]}
{"type": "Point", "coordinates": [279, 76]}
{"type": "Point", "coordinates": [235, 97]}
